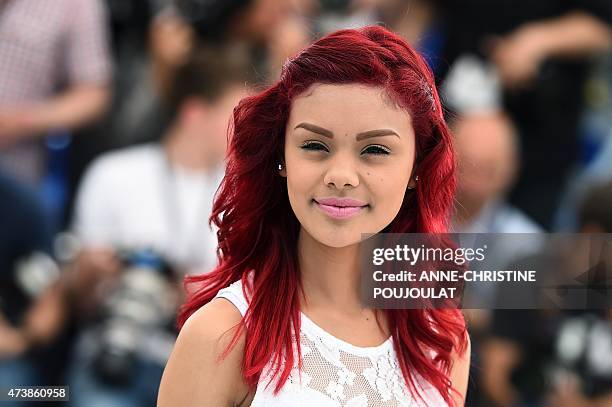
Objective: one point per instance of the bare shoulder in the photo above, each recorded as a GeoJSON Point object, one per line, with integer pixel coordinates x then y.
{"type": "Point", "coordinates": [194, 375]}
{"type": "Point", "coordinates": [461, 370]}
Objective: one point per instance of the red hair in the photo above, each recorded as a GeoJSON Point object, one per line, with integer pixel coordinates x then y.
{"type": "Point", "coordinates": [258, 230]}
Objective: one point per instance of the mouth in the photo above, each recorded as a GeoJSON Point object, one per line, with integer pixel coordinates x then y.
{"type": "Point", "coordinates": [340, 208]}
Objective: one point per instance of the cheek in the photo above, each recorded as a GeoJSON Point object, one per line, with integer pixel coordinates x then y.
{"type": "Point", "coordinates": [388, 190]}
{"type": "Point", "coordinates": [296, 193]}
{"type": "Point", "coordinates": [302, 178]}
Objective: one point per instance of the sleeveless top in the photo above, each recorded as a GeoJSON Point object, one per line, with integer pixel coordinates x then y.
{"type": "Point", "coordinates": [337, 374]}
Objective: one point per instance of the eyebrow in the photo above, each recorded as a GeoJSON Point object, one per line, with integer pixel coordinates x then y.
{"type": "Point", "coordinates": [360, 136]}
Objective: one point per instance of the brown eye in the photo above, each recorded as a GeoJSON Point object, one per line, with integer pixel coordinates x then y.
{"type": "Point", "coordinates": [376, 149]}
{"type": "Point", "coordinates": [314, 146]}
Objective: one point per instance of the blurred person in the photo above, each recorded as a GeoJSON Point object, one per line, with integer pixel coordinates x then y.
{"type": "Point", "coordinates": [488, 157]}
{"type": "Point", "coordinates": [271, 30]}
{"type": "Point", "coordinates": [148, 46]}
{"type": "Point", "coordinates": [128, 118]}
{"type": "Point", "coordinates": [557, 357]}
{"type": "Point", "coordinates": [190, 155]}
{"type": "Point", "coordinates": [266, 28]}
{"type": "Point", "coordinates": [145, 208]}
{"type": "Point", "coordinates": [541, 52]}
{"type": "Point", "coordinates": [30, 311]}
{"type": "Point", "coordinates": [488, 161]}
{"type": "Point", "coordinates": [596, 163]}
{"type": "Point", "coordinates": [581, 365]}
{"type": "Point", "coordinates": [144, 75]}
{"type": "Point", "coordinates": [54, 74]}
{"type": "Point", "coordinates": [488, 151]}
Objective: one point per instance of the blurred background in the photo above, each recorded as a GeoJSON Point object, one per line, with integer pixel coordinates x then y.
{"type": "Point", "coordinates": [113, 118]}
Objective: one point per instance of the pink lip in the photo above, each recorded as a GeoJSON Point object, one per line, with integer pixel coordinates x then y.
{"type": "Point", "coordinates": [340, 208]}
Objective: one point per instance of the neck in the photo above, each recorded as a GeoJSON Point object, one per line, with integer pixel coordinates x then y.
{"type": "Point", "coordinates": [330, 276]}
{"type": "Point", "coordinates": [183, 153]}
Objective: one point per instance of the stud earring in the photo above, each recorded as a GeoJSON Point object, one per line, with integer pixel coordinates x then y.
{"type": "Point", "coordinates": [416, 178]}
{"type": "Point", "coordinates": [280, 167]}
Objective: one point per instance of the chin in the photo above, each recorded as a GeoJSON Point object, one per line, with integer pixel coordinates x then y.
{"type": "Point", "coordinates": [338, 239]}
{"type": "Point", "coordinates": [336, 234]}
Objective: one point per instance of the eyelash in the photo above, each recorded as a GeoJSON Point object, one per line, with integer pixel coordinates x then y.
{"type": "Point", "coordinates": [309, 145]}
{"type": "Point", "coordinates": [316, 146]}
{"type": "Point", "coordinates": [381, 150]}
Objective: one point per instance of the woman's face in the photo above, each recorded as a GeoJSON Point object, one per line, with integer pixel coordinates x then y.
{"type": "Point", "coordinates": [349, 154]}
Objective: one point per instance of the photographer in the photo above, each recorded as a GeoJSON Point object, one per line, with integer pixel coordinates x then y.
{"type": "Point", "coordinates": [30, 313]}
{"type": "Point", "coordinates": [582, 373]}
{"type": "Point", "coordinates": [142, 222]}
{"type": "Point", "coordinates": [558, 357]}
{"type": "Point", "coordinates": [541, 53]}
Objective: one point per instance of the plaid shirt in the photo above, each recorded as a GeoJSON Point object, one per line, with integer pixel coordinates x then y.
{"type": "Point", "coordinates": [46, 46]}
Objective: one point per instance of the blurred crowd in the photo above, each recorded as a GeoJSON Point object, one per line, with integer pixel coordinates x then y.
{"type": "Point", "coordinates": [113, 131]}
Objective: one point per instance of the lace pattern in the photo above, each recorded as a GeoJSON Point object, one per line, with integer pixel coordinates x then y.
{"type": "Point", "coordinates": [335, 373]}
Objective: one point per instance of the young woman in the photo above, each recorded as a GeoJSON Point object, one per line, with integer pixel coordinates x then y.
{"type": "Point", "coordinates": [350, 140]}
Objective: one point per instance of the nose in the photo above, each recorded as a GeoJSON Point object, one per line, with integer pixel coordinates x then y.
{"type": "Point", "coordinates": [341, 174]}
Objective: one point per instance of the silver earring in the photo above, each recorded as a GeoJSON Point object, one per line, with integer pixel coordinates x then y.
{"type": "Point", "coordinates": [280, 167]}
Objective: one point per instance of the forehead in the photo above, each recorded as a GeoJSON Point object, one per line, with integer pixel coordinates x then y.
{"type": "Point", "coordinates": [348, 108]}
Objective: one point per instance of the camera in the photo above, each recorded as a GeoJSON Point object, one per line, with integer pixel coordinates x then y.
{"type": "Point", "coordinates": [143, 304]}
{"type": "Point", "coordinates": [28, 280]}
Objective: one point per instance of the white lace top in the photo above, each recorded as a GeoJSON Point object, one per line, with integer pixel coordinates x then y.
{"type": "Point", "coordinates": [336, 373]}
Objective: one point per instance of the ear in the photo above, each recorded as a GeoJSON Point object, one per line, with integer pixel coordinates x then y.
{"type": "Point", "coordinates": [414, 178]}
{"type": "Point", "coordinates": [282, 170]}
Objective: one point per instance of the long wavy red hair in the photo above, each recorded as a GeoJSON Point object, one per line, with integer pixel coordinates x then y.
{"type": "Point", "coordinates": [258, 230]}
